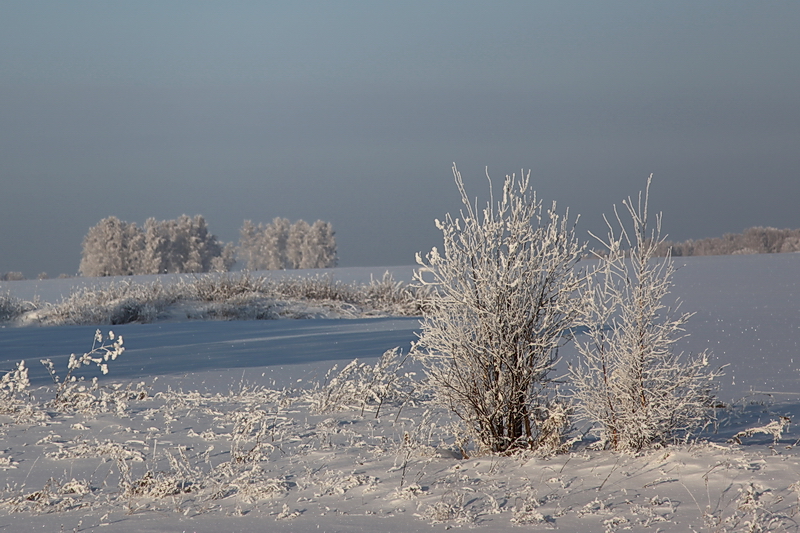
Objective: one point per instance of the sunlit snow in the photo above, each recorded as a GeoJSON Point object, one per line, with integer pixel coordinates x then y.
{"type": "Point", "coordinates": [293, 469]}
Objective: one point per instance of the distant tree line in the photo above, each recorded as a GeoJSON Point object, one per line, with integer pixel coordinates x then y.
{"type": "Point", "coordinates": [117, 248]}
{"type": "Point", "coordinates": [756, 240]}
{"type": "Point", "coordinates": [18, 276]}
{"type": "Point", "coordinates": [281, 245]}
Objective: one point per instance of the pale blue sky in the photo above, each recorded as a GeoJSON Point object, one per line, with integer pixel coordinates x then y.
{"type": "Point", "coordinates": [353, 112]}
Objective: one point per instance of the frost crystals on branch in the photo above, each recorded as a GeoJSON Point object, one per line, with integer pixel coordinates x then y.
{"type": "Point", "coordinates": [630, 382]}
{"type": "Point", "coordinates": [503, 296]}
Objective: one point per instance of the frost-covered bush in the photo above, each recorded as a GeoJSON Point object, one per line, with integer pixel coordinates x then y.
{"type": "Point", "coordinates": [630, 381]}
{"type": "Point", "coordinates": [504, 294]}
{"type": "Point", "coordinates": [754, 509]}
{"type": "Point", "coordinates": [388, 293]}
{"type": "Point", "coordinates": [385, 293]}
{"type": "Point", "coordinates": [317, 287]}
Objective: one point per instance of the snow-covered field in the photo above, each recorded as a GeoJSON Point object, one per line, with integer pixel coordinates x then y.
{"type": "Point", "coordinates": [238, 431]}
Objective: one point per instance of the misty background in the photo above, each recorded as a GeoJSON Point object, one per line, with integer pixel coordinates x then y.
{"type": "Point", "coordinates": [353, 112]}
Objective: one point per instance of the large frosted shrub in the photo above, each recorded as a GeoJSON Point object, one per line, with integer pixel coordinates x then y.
{"type": "Point", "coordinates": [504, 294]}
{"type": "Point", "coordinates": [630, 382]}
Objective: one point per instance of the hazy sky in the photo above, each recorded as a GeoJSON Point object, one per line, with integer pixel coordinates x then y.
{"type": "Point", "coordinates": [353, 112]}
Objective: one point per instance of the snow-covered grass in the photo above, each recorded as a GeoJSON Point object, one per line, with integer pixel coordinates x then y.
{"type": "Point", "coordinates": [238, 426]}
{"type": "Point", "coordinates": [11, 307]}
{"type": "Point", "coordinates": [239, 296]}
{"type": "Point", "coordinates": [171, 458]}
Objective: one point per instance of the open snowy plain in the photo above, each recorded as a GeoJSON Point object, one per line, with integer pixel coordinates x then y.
{"type": "Point", "coordinates": [237, 426]}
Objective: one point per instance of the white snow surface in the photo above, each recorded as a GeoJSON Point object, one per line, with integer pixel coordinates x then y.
{"type": "Point", "coordinates": [294, 469]}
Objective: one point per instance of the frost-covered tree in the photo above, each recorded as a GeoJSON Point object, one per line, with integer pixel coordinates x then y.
{"type": "Point", "coordinates": [276, 234]}
{"type": "Point", "coordinates": [117, 248]}
{"type": "Point", "coordinates": [294, 243]}
{"type": "Point", "coordinates": [248, 245]}
{"type": "Point", "coordinates": [281, 245]}
{"type": "Point", "coordinates": [630, 382]}
{"type": "Point", "coordinates": [756, 240]}
{"type": "Point", "coordinates": [225, 261]}
{"type": "Point", "coordinates": [190, 247]}
{"type": "Point", "coordinates": [263, 247]}
{"type": "Point", "coordinates": [319, 246]}
{"type": "Point", "coordinates": [503, 295]}
{"type": "Point", "coordinates": [156, 245]}
{"type": "Point", "coordinates": [112, 248]}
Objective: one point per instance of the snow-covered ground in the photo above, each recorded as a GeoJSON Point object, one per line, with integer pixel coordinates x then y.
{"type": "Point", "coordinates": [236, 435]}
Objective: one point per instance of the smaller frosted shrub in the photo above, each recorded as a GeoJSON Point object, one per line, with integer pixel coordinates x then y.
{"type": "Point", "coordinates": [451, 508]}
{"type": "Point", "coordinates": [181, 478]}
{"type": "Point", "coordinates": [250, 436]}
{"type": "Point", "coordinates": [55, 496]}
{"type": "Point", "coordinates": [630, 383]}
{"type": "Point", "coordinates": [774, 428]}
